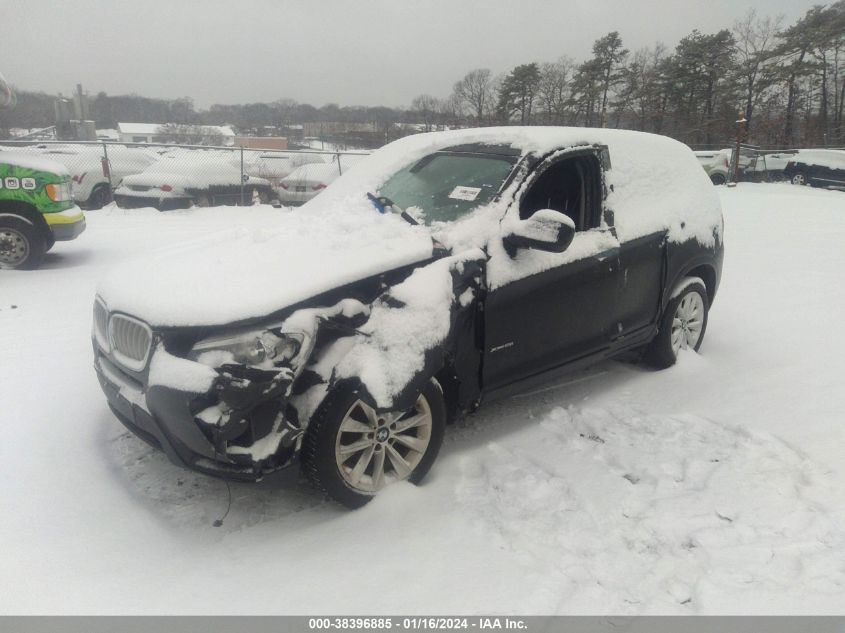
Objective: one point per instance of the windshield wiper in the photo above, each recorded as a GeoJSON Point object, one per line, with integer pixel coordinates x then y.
{"type": "Point", "coordinates": [382, 202]}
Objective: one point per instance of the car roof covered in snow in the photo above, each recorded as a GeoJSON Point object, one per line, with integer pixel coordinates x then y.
{"type": "Point", "coordinates": [314, 171]}
{"type": "Point", "coordinates": [654, 182]}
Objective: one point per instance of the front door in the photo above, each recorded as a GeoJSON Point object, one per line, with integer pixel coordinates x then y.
{"type": "Point", "coordinates": [546, 309]}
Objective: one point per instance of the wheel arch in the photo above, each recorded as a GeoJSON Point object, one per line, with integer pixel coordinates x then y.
{"type": "Point", "coordinates": [26, 211]}
{"type": "Point", "coordinates": [707, 273]}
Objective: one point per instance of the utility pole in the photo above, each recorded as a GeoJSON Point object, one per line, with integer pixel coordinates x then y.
{"type": "Point", "coordinates": [740, 134]}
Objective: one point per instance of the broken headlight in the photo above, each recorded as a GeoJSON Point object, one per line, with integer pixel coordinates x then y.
{"type": "Point", "coordinates": [265, 349]}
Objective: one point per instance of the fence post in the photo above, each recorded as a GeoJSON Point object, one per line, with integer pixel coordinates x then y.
{"type": "Point", "coordinates": [243, 175]}
{"type": "Point", "coordinates": [339, 168]}
{"type": "Point", "coordinates": [107, 167]}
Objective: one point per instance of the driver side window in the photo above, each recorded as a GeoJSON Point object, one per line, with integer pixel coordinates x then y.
{"type": "Point", "coordinates": [570, 186]}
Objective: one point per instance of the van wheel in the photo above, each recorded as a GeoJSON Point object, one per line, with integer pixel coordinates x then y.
{"type": "Point", "coordinates": [21, 244]}
{"type": "Point", "coordinates": [351, 451]}
{"type": "Point", "coordinates": [682, 326]}
{"type": "Point", "coordinates": [718, 179]}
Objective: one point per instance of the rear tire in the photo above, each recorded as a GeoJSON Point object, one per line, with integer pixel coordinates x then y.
{"type": "Point", "coordinates": [350, 451]}
{"type": "Point", "coordinates": [682, 325]}
{"type": "Point", "coordinates": [718, 179]}
{"type": "Point", "coordinates": [22, 245]}
{"type": "Point", "coordinates": [99, 198]}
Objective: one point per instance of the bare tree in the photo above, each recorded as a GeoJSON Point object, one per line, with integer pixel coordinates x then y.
{"type": "Point", "coordinates": [189, 134]}
{"type": "Point", "coordinates": [754, 51]}
{"type": "Point", "coordinates": [553, 89]}
{"type": "Point", "coordinates": [427, 108]}
{"type": "Point", "coordinates": [475, 91]}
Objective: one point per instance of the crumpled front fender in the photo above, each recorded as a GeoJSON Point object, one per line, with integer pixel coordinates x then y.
{"type": "Point", "coordinates": [415, 329]}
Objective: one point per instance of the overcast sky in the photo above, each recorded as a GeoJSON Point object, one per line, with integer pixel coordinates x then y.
{"type": "Point", "coordinates": [353, 52]}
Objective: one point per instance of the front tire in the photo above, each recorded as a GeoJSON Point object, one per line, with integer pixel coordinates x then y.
{"type": "Point", "coordinates": [351, 451]}
{"type": "Point", "coordinates": [682, 325]}
{"type": "Point", "coordinates": [22, 246]}
{"type": "Point", "coordinates": [799, 178]}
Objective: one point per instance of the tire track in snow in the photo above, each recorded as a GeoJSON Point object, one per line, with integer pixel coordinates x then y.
{"type": "Point", "coordinates": [614, 510]}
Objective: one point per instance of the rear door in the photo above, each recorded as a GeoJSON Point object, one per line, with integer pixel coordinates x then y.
{"type": "Point", "coordinates": [641, 271]}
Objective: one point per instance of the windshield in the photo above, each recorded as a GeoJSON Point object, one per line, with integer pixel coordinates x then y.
{"type": "Point", "coordinates": [444, 186]}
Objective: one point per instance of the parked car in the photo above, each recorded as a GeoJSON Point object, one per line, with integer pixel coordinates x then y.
{"type": "Point", "coordinates": [305, 182]}
{"type": "Point", "coordinates": [90, 170]}
{"type": "Point", "coordinates": [817, 167]}
{"type": "Point", "coordinates": [36, 209]}
{"type": "Point", "coordinates": [444, 271]}
{"type": "Point", "coordinates": [717, 164]}
{"type": "Point", "coordinates": [274, 166]}
{"type": "Point", "coordinates": [180, 180]}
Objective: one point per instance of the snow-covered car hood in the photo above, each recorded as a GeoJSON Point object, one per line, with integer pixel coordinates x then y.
{"type": "Point", "coordinates": [242, 274]}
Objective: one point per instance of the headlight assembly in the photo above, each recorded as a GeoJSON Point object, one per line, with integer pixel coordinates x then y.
{"type": "Point", "coordinates": [264, 349]}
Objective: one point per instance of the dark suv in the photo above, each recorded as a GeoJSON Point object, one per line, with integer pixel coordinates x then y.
{"type": "Point", "coordinates": [817, 167]}
{"type": "Point", "coordinates": [444, 271]}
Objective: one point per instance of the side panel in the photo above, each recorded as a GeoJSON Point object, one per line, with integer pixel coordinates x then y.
{"type": "Point", "coordinates": [549, 318]}
{"type": "Point", "coordinates": [641, 276]}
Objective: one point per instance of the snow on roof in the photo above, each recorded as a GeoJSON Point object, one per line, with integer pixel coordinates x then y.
{"type": "Point", "coordinates": [654, 183]}
{"type": "Point", "coordinates": [833, 158]}
{"type": "Point", "coordinates": [30, 161]}
{"type": "Point", "coordinates": [314, 171]}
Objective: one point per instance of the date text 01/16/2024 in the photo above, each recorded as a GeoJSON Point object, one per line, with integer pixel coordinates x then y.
{"type": "Point", "coordinates": [417, 623]}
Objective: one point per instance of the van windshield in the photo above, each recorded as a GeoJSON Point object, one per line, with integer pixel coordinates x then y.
{"type": "Point", "coordinates": [445, 186]}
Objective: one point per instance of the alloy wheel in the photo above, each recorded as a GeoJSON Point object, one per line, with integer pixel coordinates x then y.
{"type": "Point", "coordinates": [688, 322]}
{"type": "Point", "coordinates": [373, 449]}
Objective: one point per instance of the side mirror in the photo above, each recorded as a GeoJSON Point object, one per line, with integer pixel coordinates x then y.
{"type": "Point", "coordinates": [546, 230]}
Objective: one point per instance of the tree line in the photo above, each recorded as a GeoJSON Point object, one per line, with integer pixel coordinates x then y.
{"type": "Point", "coordinates": [786, 82]}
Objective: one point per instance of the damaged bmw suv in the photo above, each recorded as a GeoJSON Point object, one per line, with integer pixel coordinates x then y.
{"type": "Point", "coordinates": [446, 270]}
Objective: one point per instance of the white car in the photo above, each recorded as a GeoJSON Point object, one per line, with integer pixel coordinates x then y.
{"type": "Point", "coordinates": [274, 166]}
{"type": "Point", "coordinates": [90, 171]}
{"type": "Point", "coordinates": [716, 163]}
{"type": "Point", "coordinates": [180, 180]}
{"type": "Point", "coordinates": [305, 182]}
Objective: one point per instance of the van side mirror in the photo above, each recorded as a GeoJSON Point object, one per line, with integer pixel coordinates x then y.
{"type": "Point", "coordinates": [546, 230]}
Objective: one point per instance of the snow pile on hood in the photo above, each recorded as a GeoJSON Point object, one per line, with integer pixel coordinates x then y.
{"type": "Point", "coordinates": [240, 274]}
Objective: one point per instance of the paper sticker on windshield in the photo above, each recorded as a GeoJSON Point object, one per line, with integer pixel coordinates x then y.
{"type": "Point", "coordinates": [465, 193]}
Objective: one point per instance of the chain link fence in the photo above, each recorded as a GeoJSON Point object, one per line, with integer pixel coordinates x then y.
{"type": "Point", "coordinates": [167, 176]}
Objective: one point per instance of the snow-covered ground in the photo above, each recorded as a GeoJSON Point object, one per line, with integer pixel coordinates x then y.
{"type": "Point", "coordinates": [717, 486]}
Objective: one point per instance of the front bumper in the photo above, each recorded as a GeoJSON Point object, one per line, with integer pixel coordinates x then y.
{"type": "Point", "coordinates": [66, 225]}
{"type": "Point", "coordinates": [163, 417]}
